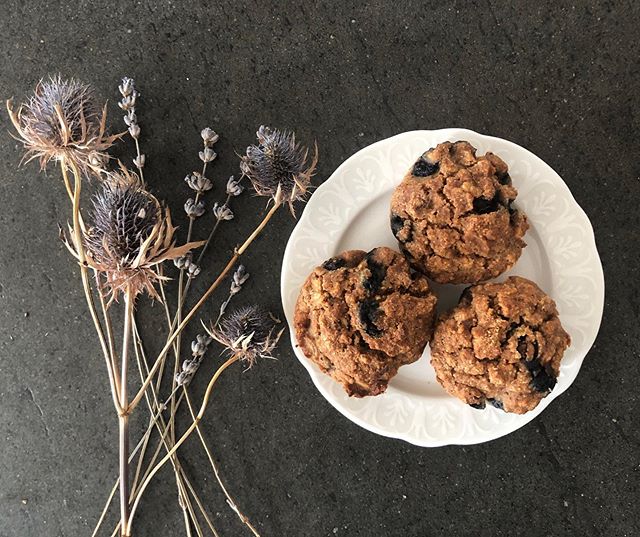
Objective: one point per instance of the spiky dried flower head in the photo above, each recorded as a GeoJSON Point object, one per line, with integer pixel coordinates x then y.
{"type": "Point", "coordinates": [130, 234]}
{"type": "Point", "coordinates": [62, 121]}
{"type": "Point", "coordinates": [249, 332]}
{"type": "Point", "coordinates": [279, 167]}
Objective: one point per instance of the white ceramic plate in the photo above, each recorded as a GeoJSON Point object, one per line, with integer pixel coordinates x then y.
{"type": "Point", "coordinates": [351, 211]}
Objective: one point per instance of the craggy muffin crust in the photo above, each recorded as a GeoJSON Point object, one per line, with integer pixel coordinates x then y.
{"type": "Point", "coordinates": [502, 344]}
{"type": "Point", "coordinates": [360, 316]}
{"type": "Point", "coordinates": [453, 218]}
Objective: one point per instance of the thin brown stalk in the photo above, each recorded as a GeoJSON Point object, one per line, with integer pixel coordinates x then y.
{"type": "Point", "coordinates": [108, 326]}
{"type": "Point", "coordinates": [200, 302]}
{"type": "Point", "coordinates": [232, 503]}
{"type": "Point", "coordinates": [123, 418]}
{"type": "Point", "coordinates": [154, 405]}
{"type": "Point", "coordinates": [105, 510]}
{"type": "Point", "coordinates": [184, 436]}
{"type": "Point", "coordinates": [77, 230]}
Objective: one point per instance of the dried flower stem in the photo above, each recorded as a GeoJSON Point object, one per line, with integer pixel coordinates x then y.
{"type": "Point", "coordinates": [108, 326]}
{"type": "Point", "coordinates": [178, 341]}
{"type": "Point", "coordinates": [239, 251]}
{"type": "Point", "coordinates": [182, 439]}
{"type": "Point", "coordinates": [182, 481]}
{"type": "Point", "coordinates": [211, 234]}
{"type": "Point", "coordinates": [77, 229]}
{"type": "Point", "coordinates": [123, 417]}
{"type": "Point", "coordinates": [234, 506]}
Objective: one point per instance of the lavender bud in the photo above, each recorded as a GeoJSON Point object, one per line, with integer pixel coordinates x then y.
{"type": "Point", "coordinates": [129, 102]}
{"type": "Point", "coordinates": [139, 161]}
{"type": "Point", "coordinates": [239, 277]}
{"type": "Point", "coordinates": [234, 188]}
{"type": "Point", "coordinates": [126, 87]}
{"type": "Point", "coordinates": [209, 137]}
{"type": "Point", "coordinates": [193, 270]}
{"type": "Point", "coordinates": [207, 155]}
{"type": "Point", "coordinates": [200, 344]}
{"type": "Point", "coordinates": [193, 209]}
{"type": "Point", "coordinates": [222, 212]}
{"type": "Point", "coordinates": [198, 182]}
{"type": "Point", "coordinates": [182, 262]}
{"type": "Point", "coordinates": [130, 118]}
{"type": "Point", "coordinates": [134, 130]}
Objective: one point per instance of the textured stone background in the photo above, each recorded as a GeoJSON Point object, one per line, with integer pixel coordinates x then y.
{"type": "Point", "coordinates": [559, 78]}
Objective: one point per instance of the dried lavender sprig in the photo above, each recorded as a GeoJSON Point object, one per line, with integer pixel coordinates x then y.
{"type": "Point", "coordinates": [128, 102]}
{"type": "Point", "coordinates": [222, 212]}
{"type": "Point", "coordinates": [194, 208]}
{"type": "Point", "coordinates": [186, 263]}
{"type": "Point", "coordinates": [199, 347]}
{"type": "Point", "coordinates": [240, 276]}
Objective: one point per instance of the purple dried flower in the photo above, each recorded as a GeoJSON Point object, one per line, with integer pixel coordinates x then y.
{"type": "Point", "coordinates": [250, 333]}
{"type": "Point", "coordinates": [61, 121]}
{"type": "Point", "coordinates": [130, 234]}
{"type": "Point", "coordinates": [278, 166]}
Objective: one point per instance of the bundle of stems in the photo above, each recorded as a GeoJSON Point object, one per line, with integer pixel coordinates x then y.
{"type": "Point", "coordinates": [122, 244]}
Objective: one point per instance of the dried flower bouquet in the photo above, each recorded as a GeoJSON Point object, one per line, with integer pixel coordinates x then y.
{"type": "Point", "coordinates": [122, 243]}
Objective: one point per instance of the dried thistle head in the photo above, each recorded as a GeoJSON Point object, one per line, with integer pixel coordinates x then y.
{"type": "Point", "coordinates": [278, 166]}
{"type": "Point", "coordinates": [129, 236]}
{"type": "Point", "coordinates": [62, 122]}
{"type": "Point", "coordinates": [249, 332]}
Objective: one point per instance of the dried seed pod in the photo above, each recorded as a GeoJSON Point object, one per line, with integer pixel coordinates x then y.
{"type": "Point", "coordinates": [250, 333]}
{"type": "Point", "coordinates": [129, 236]}
{"type": "Point", "coordinates": [62, 122]}
{"type": "Point", "coordinates": [278, 166]}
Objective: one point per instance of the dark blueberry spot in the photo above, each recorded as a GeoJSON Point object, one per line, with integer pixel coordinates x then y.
{"type": "Point", "coordinates": [406, 252]}
{"type": "Point", "coordinates": [512, 328]}
{"type": "Point", "coordinates": [334, 263]}
{"type": "Point", "coordinates": [424, 168]}
{"type": "Point", "coordinates": [367, 312]}
{"type": "Point", "coordinates": [522, 347]}
{"type": "Point", "coordinates": [378, 273]}
{"type": "Point", "coordinates": [485, 206]}
{"type": "Point", "coordinates": [542, 378]}
{"type": "Point", "coordinates": [466, 296]}
{"type": "Point", "coordinates": [397, 223]}
{"type": "Point", "coordinates": [496, 403]}
{"type": "Point", "coordinates": [478, 406]}
{"type": "Point", "coordinates": [504, 179]}
{"type": "Point", "coordinates": [543, 381]}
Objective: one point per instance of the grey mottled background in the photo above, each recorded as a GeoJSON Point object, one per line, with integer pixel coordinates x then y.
{"type": "Point", "coordinates": [560, 78]}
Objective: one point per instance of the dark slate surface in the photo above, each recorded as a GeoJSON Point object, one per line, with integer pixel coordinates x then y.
{"type": "Point", "coordinates": [558, 78]}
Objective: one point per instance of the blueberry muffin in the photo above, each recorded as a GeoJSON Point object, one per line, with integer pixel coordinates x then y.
{"type": "Point", "coordinates": [453, 216]}
{"type": "Point", "coordinates": [360, 316]}
{"type": "Point", "coordinates": [502, 345]}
